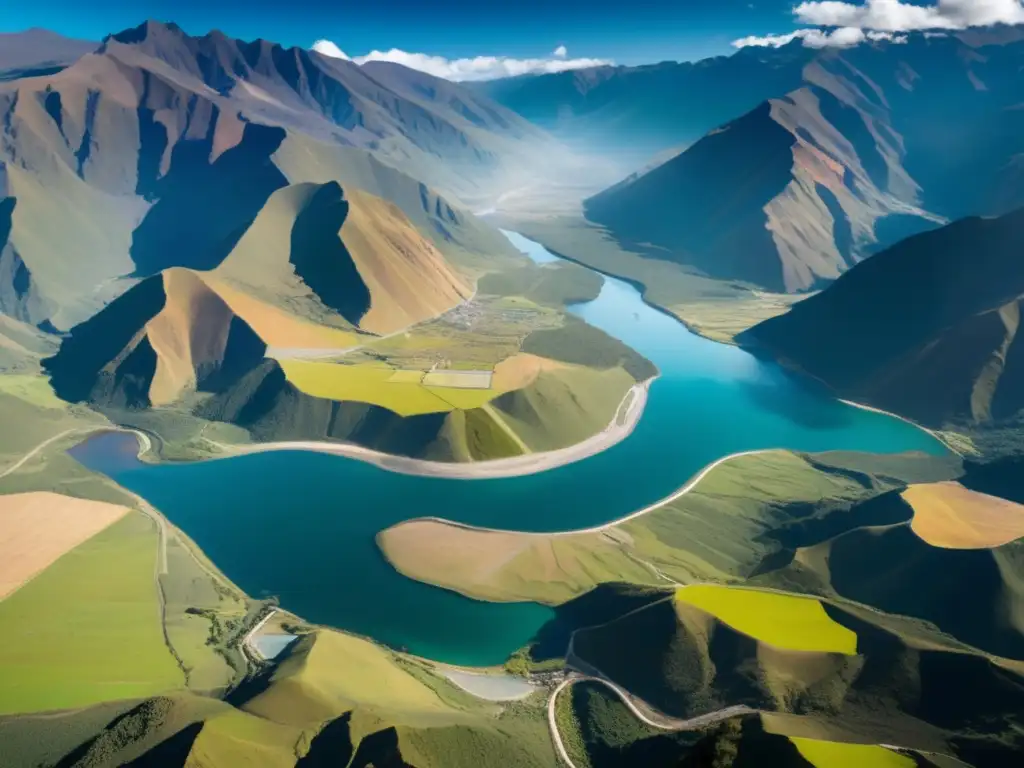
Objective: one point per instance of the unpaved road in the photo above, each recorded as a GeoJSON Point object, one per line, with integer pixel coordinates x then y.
{"type": "Point", "coordinates": [668, 724]}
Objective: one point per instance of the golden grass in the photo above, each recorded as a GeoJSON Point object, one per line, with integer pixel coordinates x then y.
{"type": "Point", "coordinates": [279, 328]}
{"type": "Point", "coordinates": [39, 527]}
{"type": "Point", "coordinates": [180, 350]}
{"type": "Point", "coordinates": [521, 370]}
{"type": "Point", "coordinates": [408, 277]}
{"type": "Point", "coordinates": [953, 517]}
{"type": "Point", "coordinates": [331, 673]}
{"type": "Point", "coordinates": [494, 565]}
{"type": "Point", "coordinates": [834, 754]}
{"type": "Point", "coordinates": [790, 622]}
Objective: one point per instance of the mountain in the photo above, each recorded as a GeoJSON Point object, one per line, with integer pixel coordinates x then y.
{"type": "Point", "coordinates": [683, 661]}
{"type": "Point", "coordinates": [927, 328]}
{"type": "Point", "coordinates": [102, 161]}
{"type": "Point", "coordinates": [878, 142]}
{"type": "Point", "coordinates": [643, 110]}
{"type": "Point", "coordinates": [315, 269]}
{"type": "Point", "coordinates": [38, 52]}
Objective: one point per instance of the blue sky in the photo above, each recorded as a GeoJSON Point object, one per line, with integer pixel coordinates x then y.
{"type": "Point", "coordinates": [626, 31]}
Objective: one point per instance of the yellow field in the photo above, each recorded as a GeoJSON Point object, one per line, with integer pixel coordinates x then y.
{"type": "Point", "coordinates": [834, 754]}
{"type": "Point", "coordinates": [397, 390]}
{"type": "Point", "coordinates": [789, 622]}
{"type": "Point", "coordinates": [951, 516]}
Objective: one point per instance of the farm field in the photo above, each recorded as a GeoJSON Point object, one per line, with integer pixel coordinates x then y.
{"type": "Point", "coordinates": [953, 517]}
{"type": "Point", "coordinates": [831, 754]}
{"type": "Point", "coordinates": [40, 527]}
{"type": "Point", "coordinates": [96, 633]}
{"type": "Point", "coordinates": [790, 622]}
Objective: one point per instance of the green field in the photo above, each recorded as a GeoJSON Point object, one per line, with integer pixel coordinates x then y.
{"type": "Point", "coordinates": [87, 629]}
{"type": "Point", "coordinates": [790, 622]}
{"type": "Point", "coordinates": [202, 617]}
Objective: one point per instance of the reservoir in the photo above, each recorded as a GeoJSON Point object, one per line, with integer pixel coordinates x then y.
{"type": "Point", "coordinates": [301, 525]}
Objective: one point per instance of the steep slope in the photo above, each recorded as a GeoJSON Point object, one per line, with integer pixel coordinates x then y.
{"type": "Point", "coordinates": [341, 259]}
{"type": "Point", "coordinates": [165, 336]}
{"type": "Point", "coordinates": [440, 132]}
{"type": "Point", "coordinates": [686, 661]}
{"type": "Point", "coordinates": [858, 156]}
{"type": "Point", "coordinates": [101, 161]}
{"type": "Point", "coordinates": [927, 328]}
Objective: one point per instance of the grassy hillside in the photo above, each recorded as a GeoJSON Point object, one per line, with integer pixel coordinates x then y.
{"type": "Point", "coordinates": [746, 516]}
{"type": "Point", "coordinates": [683, 662]}
{"type": "Point", "coordinates": [820, 176]}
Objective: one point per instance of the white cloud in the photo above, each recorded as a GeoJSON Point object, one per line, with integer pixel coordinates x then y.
{"type": "Point", "coordinates": [843, 37]}
{"type": "Point", "coordinates": [478, 68]}
{"type": "Point", "coordinates": [898, 16]}
{"type": "Point", "coordinates": [327, 48]}
{"type": "Point", "coordinates": [849, 24]}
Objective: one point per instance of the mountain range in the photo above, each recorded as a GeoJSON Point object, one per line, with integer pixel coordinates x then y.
{"type": "Point", "coordinates": [875, 143]}
{"type": "Point", "coordinates": [216, 243]}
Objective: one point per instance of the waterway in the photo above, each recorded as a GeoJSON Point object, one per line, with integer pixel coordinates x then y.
{"type": "Point", "coordinates": [301, 525]}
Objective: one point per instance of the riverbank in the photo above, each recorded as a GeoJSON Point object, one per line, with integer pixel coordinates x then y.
{"type": "Point", "coordinates": [626, 417]}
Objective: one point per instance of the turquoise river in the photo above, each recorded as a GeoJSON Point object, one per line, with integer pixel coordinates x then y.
{"type": "Point", "coordinates": [301, 525]}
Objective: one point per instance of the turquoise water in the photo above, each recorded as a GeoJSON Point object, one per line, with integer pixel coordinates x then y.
{"type": "Point", "coordinates": [301, 525]}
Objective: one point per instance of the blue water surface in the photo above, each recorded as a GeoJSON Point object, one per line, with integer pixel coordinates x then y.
{"type": "Point", "coordinates": [301, 525]}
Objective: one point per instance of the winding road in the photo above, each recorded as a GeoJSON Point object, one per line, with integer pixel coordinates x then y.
{"type": "Point", "coordinates": [28, 456]}
{"type": "Point", "coordinates": [667, 724]}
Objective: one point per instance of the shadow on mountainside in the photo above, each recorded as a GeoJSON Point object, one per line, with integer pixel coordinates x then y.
{"type": "Point", "coordinates": [203, 208]}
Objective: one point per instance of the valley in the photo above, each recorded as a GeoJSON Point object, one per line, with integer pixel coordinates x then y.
{"type": "Point", "coordinates": [603, 416]}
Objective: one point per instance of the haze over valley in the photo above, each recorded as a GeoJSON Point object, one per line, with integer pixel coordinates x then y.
{"type": "Point", "coordinates": [564, 406]}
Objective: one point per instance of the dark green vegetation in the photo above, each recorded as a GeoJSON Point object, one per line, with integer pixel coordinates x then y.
{"type": "Point", "coordinates": [605, 734]}
{"type": "Point", "coordinates": [907, 685]}
{"type": "Point", "coordinates": [582, 344]}
{"type": "Point", "coordinates": [939, 343]}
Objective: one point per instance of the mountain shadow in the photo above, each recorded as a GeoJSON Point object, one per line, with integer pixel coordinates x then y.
{"type": "Point", "coordinates": [321, 259]}
{"type": "Point", "coordinates": [78, 367]}
{"type": "Point", "coordinates": [203, 208]}
{"type": "Point", "coordinates": [331, 747]}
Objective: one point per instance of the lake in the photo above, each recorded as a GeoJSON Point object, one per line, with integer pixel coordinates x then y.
{"type": "Point", "coordinates": [300, 525]}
